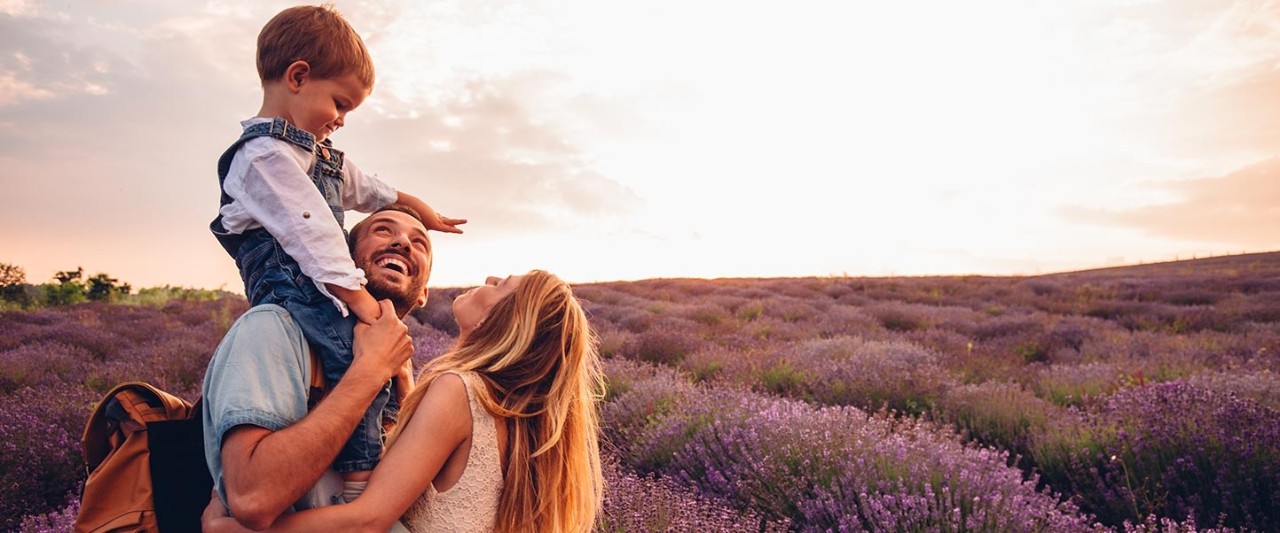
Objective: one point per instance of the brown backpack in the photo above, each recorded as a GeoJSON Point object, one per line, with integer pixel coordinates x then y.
{"type": "Point", "coordinates": [144, 452]}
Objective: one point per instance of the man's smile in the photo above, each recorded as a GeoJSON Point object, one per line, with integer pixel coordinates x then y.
{"type": "Point", "coordinates": [393, 260]}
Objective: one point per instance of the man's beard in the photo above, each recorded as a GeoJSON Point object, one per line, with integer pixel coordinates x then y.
{"type": "Point", "coordinates": [404, 299]}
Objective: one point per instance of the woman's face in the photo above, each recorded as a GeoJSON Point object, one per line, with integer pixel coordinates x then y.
{"type": "Point", "coordinates": [470, 308]}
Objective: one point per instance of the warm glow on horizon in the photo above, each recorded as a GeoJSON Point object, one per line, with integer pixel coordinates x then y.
{"type": "Point", "coordinates": [691, 138]}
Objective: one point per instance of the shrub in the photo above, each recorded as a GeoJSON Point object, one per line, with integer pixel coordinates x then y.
{"type": "Point", "coordinates": [1171, 450]}
{"type": "Point", "coordinates": [789, 309]}
{"type": "Point", "coordinates": [666, 344]}
{"type": "Point", "coordinates": [750, 310]}
{"type": "Point", "coordinates": [1076, 384]}
{"type": "Point", "coordinates": [833, 468]}
{"type": "Point", "coordinates": [40, 452]}
{"type": "Point", "coordinates": [1004, 415]}
{"type": "Point", "coordinates": [849, 371]}
{"type": "Point", "coordinates": [635, 503]}
{"type": "Point", "coordinates": [707, 315]}
{"type": "Point", "coordinates": [1262, 386]}
{"type": "Point", "coordinates": [41, 363]}
{"type": "Point", "coordinates": [898, 316]}
{"type": "Point", "coordinates": [60, 521]}
{"type": "Point", "coordinates": [636, 320]}
{"type": "Point", "coordinates": [428, 342]}
{"type": "Point", "coordinates": [438, 313]}
{"type": "Point", "coordinates": [840, 320]}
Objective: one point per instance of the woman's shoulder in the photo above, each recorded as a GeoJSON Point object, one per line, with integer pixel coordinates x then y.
{"type": "Point", "coordinates": [450, 383]}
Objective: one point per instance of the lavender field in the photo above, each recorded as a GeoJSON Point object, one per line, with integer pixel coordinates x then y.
{"type": "Point", "coordinates": [1129, 399]}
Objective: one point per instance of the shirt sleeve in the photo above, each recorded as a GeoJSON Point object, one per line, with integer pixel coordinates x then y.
{"type": "Point", "coordinates": [363, 192]}
{"type": "Point", "coordinates": [277, 192]}
{"type": "Point", "coordinates": [259, 376]}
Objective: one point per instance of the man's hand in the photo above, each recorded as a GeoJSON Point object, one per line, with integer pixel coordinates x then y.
{"type": "Point", "coordinates": [385, 344]}
{"type": "Point", "coordinates": [215, 518]}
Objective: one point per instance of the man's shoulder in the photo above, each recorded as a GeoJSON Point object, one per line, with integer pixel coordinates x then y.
{"type": "Point", "coordinates": [271, 312]}
{"type": "Point", "coordinates": [268, 321]}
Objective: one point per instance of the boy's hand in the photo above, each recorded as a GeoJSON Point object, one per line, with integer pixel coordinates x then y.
{"type": "Point", "coordinates": [430, 218]}
{"type": "Point", "coordinates": [443, 223]}
{"type": "Point", "coordinates": [366, 312]}
{"type": "Point", "coordinates": [359, 302]}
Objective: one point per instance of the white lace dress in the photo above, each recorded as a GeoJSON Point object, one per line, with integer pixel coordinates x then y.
{"type": "Point", "coordinates": [471, 504]}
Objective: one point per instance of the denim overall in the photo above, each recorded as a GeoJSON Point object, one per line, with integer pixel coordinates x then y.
{"type": "Point", "coordinates": [271, 276]}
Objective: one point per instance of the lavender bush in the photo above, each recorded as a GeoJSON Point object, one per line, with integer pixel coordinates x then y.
{"type": "Point", "coordinates": [635, 503]}
{"type": "Point", "coordinates": [60, 521]}
{"type": "Point", "coordinates": [834, 468]}
{"type": "Point", "coordinates": [55, 362]}
{"type": "Point", "coordinates": [1170, 450]}
{"type": "Point", "coordinates": [1262, 386]}
{"type": "Point", "coordinates": [997, 358]}
{"type": "Point", "coordinates": [40, 453]}
{"type": "Point", "coordinates": [1076, 384]}
{"type": "Point", "coordinates": [1002, 415]}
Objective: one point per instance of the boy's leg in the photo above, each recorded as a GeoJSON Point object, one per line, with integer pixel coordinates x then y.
{"type": "Point", "coordinates": [271, 276]}
{"type": "Point", "coordinates": [331, 336]}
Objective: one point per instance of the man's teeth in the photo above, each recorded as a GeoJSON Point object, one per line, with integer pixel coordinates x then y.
{"type": "Point", "coordinates": [394, 263]}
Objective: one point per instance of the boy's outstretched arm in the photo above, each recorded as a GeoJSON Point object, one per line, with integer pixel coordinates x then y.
{"type": "Point", "coordinates": [430, 218]}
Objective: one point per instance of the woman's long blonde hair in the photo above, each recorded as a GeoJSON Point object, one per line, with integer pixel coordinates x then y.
{"type": "Point", "coordinates": [537, 354]}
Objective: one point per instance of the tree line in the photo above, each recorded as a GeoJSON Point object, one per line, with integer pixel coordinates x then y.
{"type": "Point", "coordinates": [70, 287]}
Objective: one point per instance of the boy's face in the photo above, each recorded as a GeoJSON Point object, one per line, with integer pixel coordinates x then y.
{"type": "Point", "coordinates": [320, 105]}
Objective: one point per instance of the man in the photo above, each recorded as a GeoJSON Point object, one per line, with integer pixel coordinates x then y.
{"type": "Point", "coordinates": [265, 451]}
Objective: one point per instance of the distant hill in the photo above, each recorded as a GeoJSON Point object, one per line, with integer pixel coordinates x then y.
{"type": "Point", "coordinates": [1250, 265]}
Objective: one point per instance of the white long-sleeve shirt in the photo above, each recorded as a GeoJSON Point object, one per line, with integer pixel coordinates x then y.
{"type": "Point", "coordinates": [270, 186]}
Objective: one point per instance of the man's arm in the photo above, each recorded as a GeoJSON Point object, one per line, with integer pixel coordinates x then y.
{"type": "Point", "coordinates": [442, 424]}
{"type": "Point", "coordinates": [266, 471]}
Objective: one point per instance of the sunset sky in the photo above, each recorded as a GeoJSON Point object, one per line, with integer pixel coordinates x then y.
{"type": "Point", "coordinates": [608, 140]}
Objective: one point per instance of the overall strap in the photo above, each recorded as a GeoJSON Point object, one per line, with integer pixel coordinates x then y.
{"type": "Point", "coordinates": [278, 128]}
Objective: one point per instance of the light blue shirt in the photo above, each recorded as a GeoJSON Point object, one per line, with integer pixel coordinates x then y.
{"type": "Point", "coordinates": [259, 376]}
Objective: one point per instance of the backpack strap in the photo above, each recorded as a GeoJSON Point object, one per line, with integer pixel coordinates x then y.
{"type": "Point", "coordinates": [278, 128]}
{"type": "Point", "coordinates": [125, 409]}
{"type": "Point", "coordinates": [317, 388]}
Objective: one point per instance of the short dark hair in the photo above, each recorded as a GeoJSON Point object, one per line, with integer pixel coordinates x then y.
{"type": "Point", "coordinates": [356, 229]}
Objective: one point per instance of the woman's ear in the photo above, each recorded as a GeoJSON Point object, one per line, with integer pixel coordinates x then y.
{"type": "Point", "coordinates": [297, 74]}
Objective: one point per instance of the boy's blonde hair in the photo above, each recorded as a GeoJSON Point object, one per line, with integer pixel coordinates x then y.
{"type": "Point", "coordinates": [315, 34]}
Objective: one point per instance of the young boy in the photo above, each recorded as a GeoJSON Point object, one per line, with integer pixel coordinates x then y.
{"type": "Point", "coordinates": [284, 191]}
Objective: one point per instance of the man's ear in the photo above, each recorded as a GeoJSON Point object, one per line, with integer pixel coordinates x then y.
{"type": "Point", "coordinates": [422, 299]}
{"type": "Point", "coordinates": [298, 73]}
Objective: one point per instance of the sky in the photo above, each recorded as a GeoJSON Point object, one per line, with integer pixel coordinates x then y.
{"type": "Point", "coordinates": [606, 140]}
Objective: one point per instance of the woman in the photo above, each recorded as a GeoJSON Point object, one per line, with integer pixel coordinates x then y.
{"type": "Point", "coordinates": [500, 434]}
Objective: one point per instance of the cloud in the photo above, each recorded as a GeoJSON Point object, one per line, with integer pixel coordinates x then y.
{"type": "Point", "coordinates": [113, 125]}
{"type": "Point", "coordinates": [31, 69]}
{"type": "Point", "coordinates": [1239, 209]}
{"type": "Point", "coordinates": [491, 152]}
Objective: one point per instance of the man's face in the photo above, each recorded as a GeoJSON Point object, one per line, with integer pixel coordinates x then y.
{"type": "Point", "coordinates": [395, 253]}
